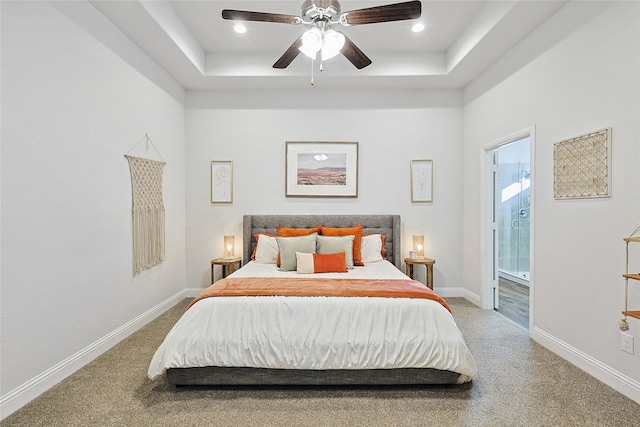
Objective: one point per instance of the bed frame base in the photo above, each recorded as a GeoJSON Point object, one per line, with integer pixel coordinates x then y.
{"type": "Point", "coordinates": [222, 376]}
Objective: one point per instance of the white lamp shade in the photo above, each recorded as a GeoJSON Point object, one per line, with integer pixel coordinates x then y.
{"type": "Point", "coordinates": [311, 43]}
{"type": "Point", "coordinates": [229, 243]}
{"type": "Point", "coordinates": [418, 245]}
{"type": "Point", "coordinates": [332, 43]}
{"type": "Point", "coordinates": [311, 53]}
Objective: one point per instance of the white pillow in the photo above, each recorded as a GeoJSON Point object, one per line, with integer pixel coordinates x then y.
{"type": "Point", "coordinates": [266, 250]}
{"type": "Point", "coordinates": [371, 248]}
{"type": "Point", "coordinates": [305, 262]}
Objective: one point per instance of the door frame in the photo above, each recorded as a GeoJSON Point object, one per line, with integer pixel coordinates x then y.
{"type": "Point", "coordinates": [487, 199]}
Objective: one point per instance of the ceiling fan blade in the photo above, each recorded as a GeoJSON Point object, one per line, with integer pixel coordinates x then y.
{"type": "Point", "coordinates": [354, 54]}
{"type": "Point", "coordinates": [289, 55]}
{"type": "Point", "coordinates": [387, 13]}
{"type": "Point", "coordinates": [244, 15]}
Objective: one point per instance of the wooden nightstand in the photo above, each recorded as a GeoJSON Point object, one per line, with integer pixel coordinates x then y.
{"type": "Point", "coordinates": [427, 262]}
{"type": "Point", "coordinates": [229, 265]}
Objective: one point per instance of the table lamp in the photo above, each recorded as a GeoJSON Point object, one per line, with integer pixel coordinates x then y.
{"type": "Point", "coordinates": [418, 245]}
{"type": "Point", "coordinates": [228, 246]}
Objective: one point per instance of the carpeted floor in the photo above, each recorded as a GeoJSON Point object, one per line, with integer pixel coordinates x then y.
{"type": "Point", "coordinates": [520, 384]}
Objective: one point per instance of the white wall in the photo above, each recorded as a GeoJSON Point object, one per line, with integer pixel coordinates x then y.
{"type": "Point", "coordinates": [251, 130]}
{"type": "Point", "coordinates": [587, 82]}
{"type": "Point", "coordinates": [70, 110]}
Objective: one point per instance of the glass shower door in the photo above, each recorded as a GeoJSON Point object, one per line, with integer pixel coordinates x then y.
{"type": "Point", "coordinates": [514, 218]}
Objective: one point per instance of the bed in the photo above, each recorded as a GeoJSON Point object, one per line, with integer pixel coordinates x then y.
{"type": "Point", "coordinates": [231, 336]}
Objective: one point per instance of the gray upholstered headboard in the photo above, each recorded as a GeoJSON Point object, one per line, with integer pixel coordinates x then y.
{"type": "Point", "coordinates": [388, 225]}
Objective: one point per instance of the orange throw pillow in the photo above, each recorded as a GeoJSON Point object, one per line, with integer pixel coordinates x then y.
{"type": "Point", "coordinates": [321, 263]}
{"type": "Point", "coordinates": [349, 231]}
{"type": "Point", "coordinates": [329, 263]}
{"type": "Point", "coordinates": [294, 232]}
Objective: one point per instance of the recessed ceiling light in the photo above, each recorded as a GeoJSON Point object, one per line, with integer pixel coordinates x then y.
{"type": "Point", "coordinates": [239, 28]}
{"type": "Point", "coordinates": [417, 27]}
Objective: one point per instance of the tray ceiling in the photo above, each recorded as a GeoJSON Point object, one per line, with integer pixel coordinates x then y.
{"type": "Point", "coordinates": [200, 50]}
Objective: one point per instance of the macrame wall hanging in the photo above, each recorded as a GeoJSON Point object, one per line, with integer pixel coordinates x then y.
{"type": "Point", "coordinates": [147, 209]}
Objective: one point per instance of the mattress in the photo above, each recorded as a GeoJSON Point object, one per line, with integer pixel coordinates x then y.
{"type": "Point", "coordinates": [316, 333]}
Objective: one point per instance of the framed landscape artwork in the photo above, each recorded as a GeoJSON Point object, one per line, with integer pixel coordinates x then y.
{"type": "Point", "coordinates": [321, 169]}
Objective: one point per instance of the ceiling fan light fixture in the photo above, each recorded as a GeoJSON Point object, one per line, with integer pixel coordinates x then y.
{"type": "Point", "coordinates": [239, 28]}
{"type": "Point", "coordinates": [323, 14]}
{"type": "Point", "coordinates": [309, 52]}
{"type": "Point", "coordinates": [332, 42]}
{"type": "Point", "coordinates": [311, 43]}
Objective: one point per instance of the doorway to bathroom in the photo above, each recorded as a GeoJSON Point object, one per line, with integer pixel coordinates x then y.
{"type": "Point", "coordinates": [512, 225]}
{"type": "Point", "coordinates": [514, 216]}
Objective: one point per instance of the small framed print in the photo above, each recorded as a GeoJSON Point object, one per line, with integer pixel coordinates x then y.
{"type": "Point", "coordinates": [321, 169]}
{"type": "Point", "coordinates": [421, 180]}
{"type": "Point", "coordinates": [221, 181]}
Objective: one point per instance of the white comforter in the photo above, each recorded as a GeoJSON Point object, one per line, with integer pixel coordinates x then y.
{"type": "Point", "coordinates": [316, 332]}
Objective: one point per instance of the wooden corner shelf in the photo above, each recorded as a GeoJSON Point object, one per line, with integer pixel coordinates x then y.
{"type": "Point", "coordinates": [635, 314]}
{"type": "Point", "coordinates": [633, 238]}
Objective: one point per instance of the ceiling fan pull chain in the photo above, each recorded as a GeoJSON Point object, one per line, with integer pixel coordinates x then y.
{"type": "Point", "coordinates": [313, 83]}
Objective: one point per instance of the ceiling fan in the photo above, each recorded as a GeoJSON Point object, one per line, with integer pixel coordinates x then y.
{"type": "Point", "coordinates": [320, 16]}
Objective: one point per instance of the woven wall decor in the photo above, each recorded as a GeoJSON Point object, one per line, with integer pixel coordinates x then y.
{"type": "Point", "coordinates": [582, 166]}
{"type": "Point", "coordinates": [148, 212]}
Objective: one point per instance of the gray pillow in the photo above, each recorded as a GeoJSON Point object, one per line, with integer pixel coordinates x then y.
{"type": "Point", "coordinates": [336, 244]}
{"type": "Point", "coordinates": [288, 247]}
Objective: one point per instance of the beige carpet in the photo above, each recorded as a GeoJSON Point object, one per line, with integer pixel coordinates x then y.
{"type": "Point", "coordinates": [520, 384]}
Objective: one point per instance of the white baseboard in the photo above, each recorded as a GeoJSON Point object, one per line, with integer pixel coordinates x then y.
{"type": "Point", "coordinates": [192, 292]}
{"type": "Point", "coordinates": [458, 292]}
{"type": "Point", "coordinates": [471, 297]}
{"type": "Point", "coordinates": [449, 292]}
{"type": "Point", "coordinates": [20, 396]}
{"type": "Point", "coordinates": [614, 379]}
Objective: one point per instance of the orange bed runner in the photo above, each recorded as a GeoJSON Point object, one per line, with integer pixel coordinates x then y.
{"type": "Point", "coordinates": [318, 287]}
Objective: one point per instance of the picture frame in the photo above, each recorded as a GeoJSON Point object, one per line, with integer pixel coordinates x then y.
{"type": "Point", "coordinates": [582, 166]}
{"type": "Point", "coordinates": [422, 180]}
{"type": "Point", "coordinates": [321, 169]}
{"type": "Point", "coordinates": [221, 181]}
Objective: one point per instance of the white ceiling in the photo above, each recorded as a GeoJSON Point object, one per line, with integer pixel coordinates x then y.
{"type": "Point", "coordinates": [191, 41]}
